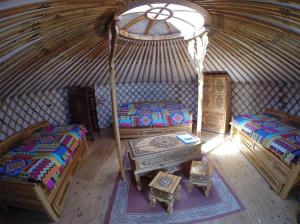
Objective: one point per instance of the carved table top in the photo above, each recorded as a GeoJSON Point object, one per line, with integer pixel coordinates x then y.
{"type": "Point", "coordinates": [158, 145]}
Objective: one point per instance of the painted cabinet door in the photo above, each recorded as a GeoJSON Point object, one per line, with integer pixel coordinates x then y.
{"type": "Point", "coordinates": [208, 96]}
{"type": "Point", "coordinates": [216, 103]}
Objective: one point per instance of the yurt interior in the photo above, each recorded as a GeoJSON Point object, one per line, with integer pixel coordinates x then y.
{"type": "Point", "coordinates": [142, 111]}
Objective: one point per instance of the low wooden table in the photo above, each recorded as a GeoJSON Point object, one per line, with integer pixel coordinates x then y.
{"type": "Point", "coordinates": [165, 188]}
{"type": "Point", "coordinates": [200, 175]}
{"type": "Point", "coordinates": [164, 152]}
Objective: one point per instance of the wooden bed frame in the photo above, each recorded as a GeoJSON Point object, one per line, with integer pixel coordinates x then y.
{"type": "Point", "coordinates": [152, 131]}
{"type": "Point", "coordinates": [280, 176]}
{"type": "Point", "coordinates": [32, 195]}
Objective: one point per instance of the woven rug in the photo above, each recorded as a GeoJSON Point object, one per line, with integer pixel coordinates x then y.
{"type": "Point", "coordinates": [128, 205]}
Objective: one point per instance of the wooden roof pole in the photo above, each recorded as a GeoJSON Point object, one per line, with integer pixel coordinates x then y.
{"type": "Point", "coordinates": [112, 39]}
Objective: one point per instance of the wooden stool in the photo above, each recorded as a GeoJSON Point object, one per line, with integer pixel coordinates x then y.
{"type": "Point", "coordinates": [164, 188]}
{"type": "Point", "coordinates": [201, 175]}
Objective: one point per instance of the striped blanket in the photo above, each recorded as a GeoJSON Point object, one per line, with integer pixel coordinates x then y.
{"type": "Point", "coordinates": [43, 156]}
{"type": "Point", "coordinates": [281, 139]}
{"type": "Point", "coordinates": [164, 114]}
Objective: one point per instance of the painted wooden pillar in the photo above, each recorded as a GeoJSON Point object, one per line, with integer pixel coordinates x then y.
{"type": "Point", "coordinates": [113, 36]}
{"type": "Point", "coordinates": [197, 49]}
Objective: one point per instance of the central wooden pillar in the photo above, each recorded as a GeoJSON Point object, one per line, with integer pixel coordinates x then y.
{"type": "Point", "coordinates": [112, 38]}
{"type": "Point", "coordinates": [197, 50]}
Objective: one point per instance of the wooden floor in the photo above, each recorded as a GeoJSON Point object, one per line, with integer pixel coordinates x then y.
{"type": "Point", "coordinates": [92, 185]}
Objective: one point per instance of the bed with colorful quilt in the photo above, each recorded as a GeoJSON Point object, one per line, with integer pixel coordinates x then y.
{"type": "Point", "coordinates": [153, 118]}
{"type": "Point", "coordinates": [271, 141]}
{"type": "Point", "coordinates": [37, 164]}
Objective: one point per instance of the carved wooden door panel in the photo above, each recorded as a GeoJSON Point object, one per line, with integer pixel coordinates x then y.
{"type": "Point", "coordinates": [208, 92]}
{"type": "Point", "coordinates": [216, 97]}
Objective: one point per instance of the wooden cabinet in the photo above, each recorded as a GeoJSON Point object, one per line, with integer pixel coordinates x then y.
{"type": "Point", "coordinates": [83, 108]}
{"type": "Point", "coordinates": [216, 102]}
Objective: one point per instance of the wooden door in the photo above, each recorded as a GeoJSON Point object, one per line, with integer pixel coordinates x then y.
{"type": "Point", "coordinates": [216, 101]}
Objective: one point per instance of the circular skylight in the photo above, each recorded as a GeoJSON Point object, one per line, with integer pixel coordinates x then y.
{"type": "Point", "coordinates": [159, 13]}
{"type": "Point", "coordinates": [162, 20]}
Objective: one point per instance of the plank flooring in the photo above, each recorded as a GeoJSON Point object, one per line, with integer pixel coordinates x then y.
{"type": "Point", "coordinates": [92, 185]}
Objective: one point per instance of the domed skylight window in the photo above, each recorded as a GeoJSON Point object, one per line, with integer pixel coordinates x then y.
{"type": "Point", "coordinates": [161, 21]}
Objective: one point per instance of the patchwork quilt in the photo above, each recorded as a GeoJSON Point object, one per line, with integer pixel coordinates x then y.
{"type": "Point", "coordinates": [281, 139]}
{"type": "Point", "coordinates": [43, 156]}
{"type": "Point", "coordinates": [164, 114]}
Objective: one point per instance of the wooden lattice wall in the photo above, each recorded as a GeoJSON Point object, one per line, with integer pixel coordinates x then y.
{"type": "Point", "coordinates": [255, 97]}
{"type": "Point", "coordinates": [184, 92]}
{"type": "Point", "coordinates": [18, 112]}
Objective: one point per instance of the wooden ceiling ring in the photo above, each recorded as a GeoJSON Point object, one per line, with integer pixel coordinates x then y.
{"type": "Point", "coordinates": [134, 21]}
{"type": "Point", "coordinates": [252, 33]}
{"type": "Point", "coordinates": [149, 26]}
{"type": "Point", "coordinates": [159, 13]}
{"type": "Point", "coordinates": [191, 4]}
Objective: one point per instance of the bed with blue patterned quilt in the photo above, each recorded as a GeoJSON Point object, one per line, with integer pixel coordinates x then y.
{"type": "Point", "coordinates": [279, 138]}
{"type": "Point", "coordinates": [161, 114]}
{"type": "Point", "coordinates": [43, 156]}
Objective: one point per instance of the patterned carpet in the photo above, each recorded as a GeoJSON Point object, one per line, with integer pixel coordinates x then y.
{"type": "Point", "coordinates": [127, 205]}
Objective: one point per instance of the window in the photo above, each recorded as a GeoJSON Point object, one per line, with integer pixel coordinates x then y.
{"type": "Point", "coordinates": [163, 19]}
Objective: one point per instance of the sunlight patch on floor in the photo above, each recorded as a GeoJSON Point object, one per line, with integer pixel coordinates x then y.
{"type": "Point", "coordinates": [227, 148]}
{"type": "Point", "coordinates": [220, 145]}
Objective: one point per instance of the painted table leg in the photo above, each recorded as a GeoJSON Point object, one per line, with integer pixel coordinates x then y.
{"type": "Point", "coordinates": [207, 190]}
{"type": "Point", "coordinates": [152, 201]}
{"type": "Point", "coordinates": [170, 208]}
{"type": "Point", "coordinates": [177, 197]}
{"type": "Point", "coordinates": [190, 187]}
{"type": "Point", "coordinates": [138, 182]}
